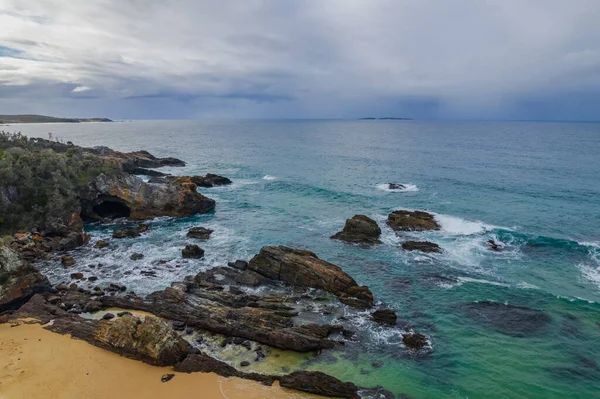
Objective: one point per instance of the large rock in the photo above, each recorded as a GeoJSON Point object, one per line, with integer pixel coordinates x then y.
{"type": "Point", "coordinates": [423, 246]}
{"type": "Point", "coordinates": [360, 229]}
{"type": "Point", "coordinates": [210, 180]}
{"type": "Point", "coordinates": [192, 252]}
{"type": "Point", "coordinates": [136, 159]}
{"type": "Point", "coordinates": [303, 268]}
{"type": "Point", "coordinates": [129, 196]}
{"type": "Point", "coordinates": [320, 384]}
{"type": "Point", "coordinates": [412, 221]}
{"type": "Point", "coordinates": [200, 232]}
{"type": "Point", "coordinates": [385, 316]}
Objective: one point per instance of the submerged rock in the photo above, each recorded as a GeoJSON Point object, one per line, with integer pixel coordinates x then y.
{"type": "Point", "coordinates": [136, 256]}
{"type": "Point", "coordinates": [412, 221]}
{"type": "Point", "coordinates": [396, 186]}
{"type": "Point", "coordinates": [423, 246]}
{"type": "Point", "coordinates": [494, 246]}
{"type": "Point", "coordinates": [511, 320]}
{"type": "Point", "coordinates": [360, 229]}
{"type": "Point", "coordinates": [210, 180]}
{"type": "Point", "coordinates": [200, 232]}
{"type": "Point", "coordinates": [67, 260]}
{"type": "Point", "coordinates": [130, 232]}
{"type": "Point", "coordinates": [303, 268]}
{"type": "Point", "coordinates": [415, 341]}
{"type": "Point", "coordinates": [192, 251]}
{"type": "Point", "coordinates": [101, 244]}
{"type": "Point", "coordinates": [385, 316]}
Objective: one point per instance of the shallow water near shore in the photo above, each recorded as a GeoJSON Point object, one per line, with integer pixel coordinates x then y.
{"type": "Point", "coordinates": [532, 187]}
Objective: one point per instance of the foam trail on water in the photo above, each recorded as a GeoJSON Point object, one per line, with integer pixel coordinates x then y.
{"type": "Point", "coordinates": [458, 226]}
{"type": "Point", "coordinates": [269, 177]}
{"type": "Point", "coordinates": [408, 188]}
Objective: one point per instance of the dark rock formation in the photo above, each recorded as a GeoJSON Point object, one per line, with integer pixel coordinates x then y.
{"type": "Point", "coordinates": [67, 260]}
{"type": "Point", "coordinates": [360, 229]}
{"type": "Point", "coordinates": [238, 264]}
{"type": "Point", "coordinates": [385, 316]}
{"type": "Point", "coordinates": [77, 276]}
{"type": "Point", "coordinates": [200, 232]}
{"type": "Point", "coordinates": [18, 280]}
{"type": "Point", "coordinates": [192, 251]}
{"type": "Point", "coordinates": [130, 232]}
{"type": "Point", "coordinates": [415, 341]}
{"type": "Point", "coordinates": [303, 268]}
{"type": "Point", "coordinates": [101, 244]}
{"type": "Point", "coordinates": [423, 246]}
{"type": "Point", "coordinates": [396, 186]}
{"type": "Point", "coordinates": [412, 221]}
{"type": "Point", "coordinates": [494, 245]}
{"type": "Point", "coordinates": [511, 320]}
{"type": "Point", "coordinates": [136, 256]}
{"type": "Point", "coordinates": [210, 180]}
{"type": "Point", "coordinates": [320, 384]}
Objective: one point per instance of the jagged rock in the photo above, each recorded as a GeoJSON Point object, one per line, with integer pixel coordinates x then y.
{"type": "Point", "coordinates": [423, 246]}
{"type": "Point", "coordinates": [414, 341]}
{"type": "Point", "coordinates": [238, 264]}
{"type": "Point", "coordinates": [92, 306]}
{"type": "Point", "coordinates": [200, 232]}
{"type": "Point", "coordinates": [412, 221]}
{"type": "Point", "coordinates": [192, 251]}
{"type": "Point", "coordinates": [385, 316]}
{"type": "Point", "coordinates": [101, 244]}
{"type": "Point", "coordinates": [141, 159]}
{"type": "Point", "coordinates": [319, 383]}
{"type": "Point", "coordinates": [210, 180]}
{"type": "Point", "coordinates": [360, 229]}
{"type": "Point", "coordinates": [396, 186]}
{"type": "Point", "coordinates": [494, 245]}
{"type": "Point", "coordinates": [303, 268]}
{"type": "Point", "coordinates": [136, 256]}
{"type": "Point", "coordinates": [67, 260]}
{"type": "Point", "coordinates": [131, 197]}
{"type": "Point", "coordinates": [130, 232]}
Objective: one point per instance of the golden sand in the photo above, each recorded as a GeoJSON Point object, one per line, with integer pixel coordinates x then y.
{"type": "Point", "coordinates": [37, 363]}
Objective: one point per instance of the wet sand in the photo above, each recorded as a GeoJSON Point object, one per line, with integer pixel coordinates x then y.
{"type": "Point", "coordinates": [37, 363]}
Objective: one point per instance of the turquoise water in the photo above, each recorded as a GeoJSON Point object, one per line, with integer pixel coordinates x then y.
{"type": "Point", "coordinates": [534, 187]}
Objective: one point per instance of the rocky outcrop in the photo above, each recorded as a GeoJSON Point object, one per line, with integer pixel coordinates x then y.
{"type": "Point", "coordinates": [415, 341]}
{"type": "Point", "coordinates": [192, 252]}
{"type": "Point", "coordinates": [303, 268]}
{"type": "Point", "coordinates": [129, 196]}
{"type": "Point", "coordinates": [423, 246]}
{"type": "Point", "coordinates": [412, 221]}
{"type": "Point", "coordinates": [320, 384]}
{"type": "Point", "coordinates": [210, 180]}
{"type": "Point", "coordinates": [139, 159]}
{"type": "Point", "coordinates": [129, 232]}
{"type": "Point", "coordinates": [396, 186]}
{"type": "Point", "coordinates": [360, 229]}
{"type": "Point", "coordinates": [200, 232]}
{"type": "Point", "coordinates": [385, 316]}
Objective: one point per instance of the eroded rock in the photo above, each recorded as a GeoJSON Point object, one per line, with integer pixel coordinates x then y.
{"type": "Point", "coordinates": [359, 229]}
{"type": "Point", "coordinates": [423, 246]}
{"type": "Point", "coordinates": [384, 316]}
{"type": "Point", "coordinates": [402, 220]}
{"type": "Point", "coordinates": [192, 251]}
{"type": "Point", "coordinates": [210, 180]}
{"type": "Point", "coordinates": [200, 232]}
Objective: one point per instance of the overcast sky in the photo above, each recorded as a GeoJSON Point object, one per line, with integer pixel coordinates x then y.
{"type": "Point", "coordinates": [433, 59]}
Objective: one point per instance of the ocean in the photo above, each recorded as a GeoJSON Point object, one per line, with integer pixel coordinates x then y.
{"type": "Point", "coordinates": [533, 187]}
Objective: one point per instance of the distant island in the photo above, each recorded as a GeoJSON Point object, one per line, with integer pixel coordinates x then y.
{"type": "Point", "coordinates": [388, 118]}
{"type": "Point", "coordinates": [5, 119]}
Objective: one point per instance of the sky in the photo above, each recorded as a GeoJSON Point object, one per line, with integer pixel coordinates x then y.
{"type": "Point", "coordinates": [423, 59]}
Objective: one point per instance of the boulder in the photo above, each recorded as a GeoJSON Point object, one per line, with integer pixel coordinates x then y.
{"type": "Point", "coordinates": [238, 264]}
{"type": "Point", "coordinates": [130, 232]}
{"type": "Point", "coordinates": [414, 341]}
{"type": "Point", "coordinates": [360, 229]}
{"type": "Point", "coordinates": [319, 383]}
{"type": "Point", "coordinates": [303, 268]}
{"type": "Point", "coordinates": [129, 196]}
{"type": "Point", "coordinates": [192, 251]}
{"type": "Point", "coordinates": [384, 316]}
{"type": "Point", "coordinates": [19, 281]}
{"type": "Point", "coordinates": [396, 186]}
{"type": "Point", "coordinates": [136, 256]}
{"type": "Point", "coordinates": [101, 244]}
{"type": "Point", "coordinates": [77, 276]}
{"type": "Point", "coordinates": [412, 221]}
{"type": "Point", "coordinates": [67, 260]}
{"type": "Point", "coordinates": [494, 246]}
{"type": "Point", "coordinates": [210, 180]}
{"type": "Point", "coordinates": [200, 232]}
{"type": "Point", "coordinates": [423, 246]}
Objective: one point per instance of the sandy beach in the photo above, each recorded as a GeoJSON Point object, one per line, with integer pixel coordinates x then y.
{"type": "Point", "coordinates": [36, 363]}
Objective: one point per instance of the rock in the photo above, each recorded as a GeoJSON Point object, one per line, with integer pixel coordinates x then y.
{"type": "Point", "coordinates": [101, 244]}
{"type": "Point", "coordinates": [92, 306]}
{"type": "Point", "coordinates": [77, 276]}
{"type": "Point", "coordinates": [412, 221]}
{"type": "Point", "coordinates": [210, 180]}
{"type": "Point", "coordinates": [125, 313]}
{"type": "Point", "coordinates": [414, 341]}
{"type": "Point", "coordinates": [67, 260]}
{"type": "Point", "coordinates": [303, 268]}
{"type": "Point", "coordinates": [131, 232]}
{"type": "Point", "coordinates": [494, 245]}
{"type": "Point", "coordinates": [510, 320]}
{"type": "Point", "coordinates": [19, 281]}
{"type": "Point", "coordinates": [73, 287]}
{"type": "Point", "coordinates": [244, 364]}
{"type": "Point", "coordinates": [92, 278]}
{"type": "Point", "coordinates": [199, 232]}
{"type": "Point", "coordinates": [116, 287]}
{"type": "Point", "coordinates": [131, 197]}
{"type": "Point", "coordinates": [53, 299]}
{"type": "Point", "coordinates": [62, 287]}
{"type": "Point", "coordinates": [396, 186]}
{"type": "Point", "coordinates": [192, 251]}
{"type": "Point", "coordinates": [423, 246]}
{"type": "Point", "coordinates": [360, 229]}
{"type": "Point", "coordinates": [384, 316]}
{"type": "Point", "coordinates": [319, 383]}
{"type": "Point", "coordinates": [377, 364]}
{"type": "Point", "coordinates": [238, 264]}
{"type": "Point", "coordinates": [178, 325]}
{"type": "Point", "coordinates": [136, 256]}
{"type": "Point", "coordinates": [108, 316]}
{"type": "Point", "coordinates": [167, 377]}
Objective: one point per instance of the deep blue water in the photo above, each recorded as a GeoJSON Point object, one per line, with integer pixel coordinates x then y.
{"type": "Point", "coordinates": [532, 186]}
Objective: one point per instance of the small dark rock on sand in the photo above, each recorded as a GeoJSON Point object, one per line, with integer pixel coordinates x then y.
{"type": "Point", "coordinates": [167, 377]}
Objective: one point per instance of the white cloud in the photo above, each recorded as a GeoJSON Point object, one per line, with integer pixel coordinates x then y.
{"type": "Point", "coordinates": [304, 58]}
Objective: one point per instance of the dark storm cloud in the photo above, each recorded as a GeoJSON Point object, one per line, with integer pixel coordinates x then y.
{"type": "Point", "coordinates": [334, 58]}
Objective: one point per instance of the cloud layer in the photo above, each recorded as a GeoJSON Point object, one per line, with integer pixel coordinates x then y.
{"type": "Point", "coordinates": [536, 59]}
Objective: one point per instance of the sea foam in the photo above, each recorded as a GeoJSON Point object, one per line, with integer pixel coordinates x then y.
{"type": "Point", "coordinates": [408, 188]}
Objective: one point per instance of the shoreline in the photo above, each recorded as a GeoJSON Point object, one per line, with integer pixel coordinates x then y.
{"type": "Point", "coordinates": [38, 363]}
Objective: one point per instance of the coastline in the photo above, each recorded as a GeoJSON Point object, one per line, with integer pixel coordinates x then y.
{"type": "Point", "coordinates": [38, 363]}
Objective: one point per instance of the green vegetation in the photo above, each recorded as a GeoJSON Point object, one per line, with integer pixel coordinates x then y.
{"type": "Point", "coordinates": [4, 119]}
{"type": "Point", "coordinates": [40, 182]}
